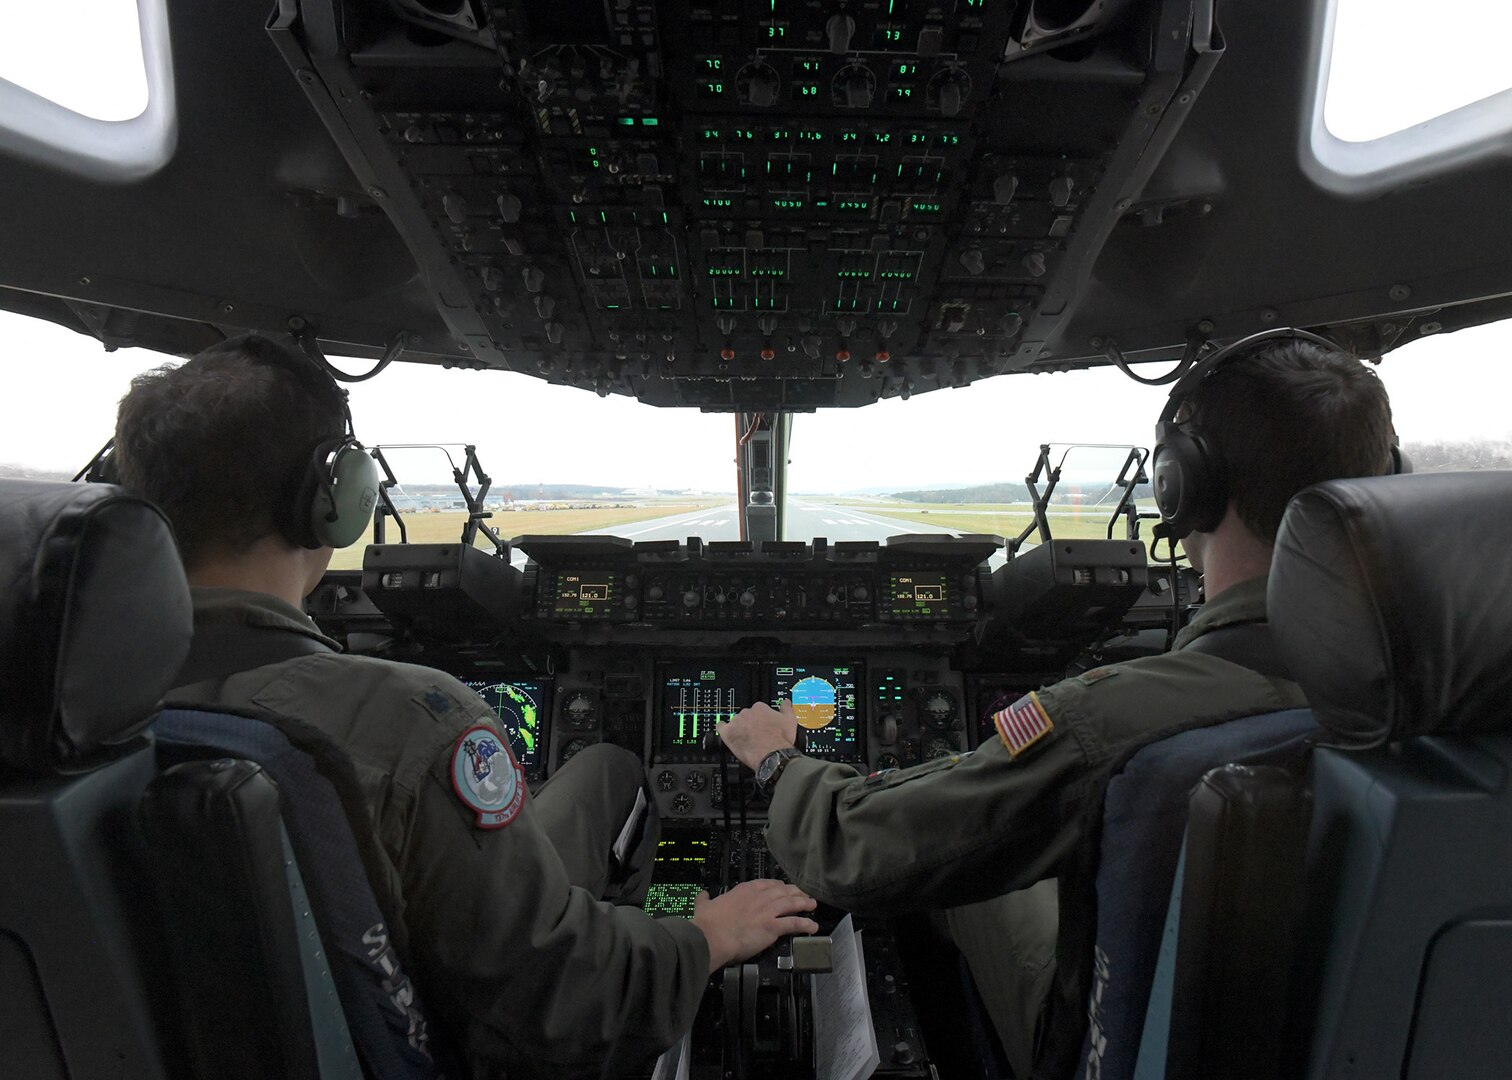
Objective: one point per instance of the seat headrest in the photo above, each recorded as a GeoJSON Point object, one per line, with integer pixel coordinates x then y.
{"type": "Point", "coordinates": [1391, 602]}
{"type": "Point", "coordinates": [94, 620]}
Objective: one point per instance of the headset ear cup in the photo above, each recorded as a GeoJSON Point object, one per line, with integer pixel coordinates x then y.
{"type": "Point", "coordinates": [307, 492]}
{"type": "Point", "coordinates": [1190, 495]}
{"type": "Point", "coordinates": [342, 508]}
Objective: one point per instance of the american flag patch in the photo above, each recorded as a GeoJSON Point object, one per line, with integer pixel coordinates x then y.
{"type": "Point", "coordinates": [1023, 724]}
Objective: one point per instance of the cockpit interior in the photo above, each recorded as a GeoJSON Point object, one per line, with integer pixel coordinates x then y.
{"type": "Point", "coordinates": [767, 209]}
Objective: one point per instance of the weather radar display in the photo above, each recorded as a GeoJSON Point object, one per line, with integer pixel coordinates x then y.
{"type": "Point", "coordinates": [518, 706]}
{"type": "Point", "coordinates": [824, 699]}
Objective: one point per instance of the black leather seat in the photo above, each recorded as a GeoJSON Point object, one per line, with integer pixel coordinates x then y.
{"type": "Point", "coordinates": [1357, 920]}
{"type": "Point", "coordinates": [154, 922]}
{"type": "Point", "coordinates": [85, 571]}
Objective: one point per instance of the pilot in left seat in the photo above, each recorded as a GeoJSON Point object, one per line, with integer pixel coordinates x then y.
{"type": "Point", "coordinates": [526, 939]}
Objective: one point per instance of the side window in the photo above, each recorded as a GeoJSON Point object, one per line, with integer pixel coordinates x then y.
{"type": "Point", "coordinates": [1393, 104]}
{"type": "Point", "coordinates": [88, 87]}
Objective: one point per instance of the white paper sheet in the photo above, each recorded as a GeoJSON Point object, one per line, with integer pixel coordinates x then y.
{"type": "Point", "coordinates": [674, 1064]}
{"type": "Point", "coordinates": [630, 832]}
{"type": "Point", "coordinates": [845, 1042]}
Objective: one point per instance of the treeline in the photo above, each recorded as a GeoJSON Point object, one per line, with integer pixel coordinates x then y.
{"type": "Point", "coordinates": [1005, 492]}
{"type": "Point", "coordinates": [553, 492]}
{"type": "Point", "coordinates": [25, 472]}
{"type": "Point", "coordinates": [1475, 454]}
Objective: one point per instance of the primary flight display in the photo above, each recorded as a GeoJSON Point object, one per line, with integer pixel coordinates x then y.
{"type": "Point", "coordinates": [824, 700]}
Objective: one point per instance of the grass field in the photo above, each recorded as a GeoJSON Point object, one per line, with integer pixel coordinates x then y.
{"type": "Point", "coordinates": [447, 527]}
{"type": "Point", "coordinates": [1074, 523]}
{"type": "Point", "coordinates": [1086, 525]}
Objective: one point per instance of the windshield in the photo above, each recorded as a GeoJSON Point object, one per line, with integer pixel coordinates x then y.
{"type": "Point", "coordinates": [565, 461]}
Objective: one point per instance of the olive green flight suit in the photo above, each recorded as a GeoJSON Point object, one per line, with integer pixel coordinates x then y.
{"type": "Point", "coordinates": [976, 826]}
{"type": "Point", "coordinates": [517, 956]}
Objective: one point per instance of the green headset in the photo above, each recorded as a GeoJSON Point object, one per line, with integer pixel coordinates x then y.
{"type": "Point", "coordinates": [334, 487]}
{"type": "Point", "coordinates": [1191, 489]}
{"type": "Point", "coordinates": [335, 484]}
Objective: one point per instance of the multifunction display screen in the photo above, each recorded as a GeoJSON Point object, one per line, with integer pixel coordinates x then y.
{"type": "Point", "coordinates": [584, 594]}
{"type": "Point", "coordinates": [695, 698]}
{"type": "Point", "coordinates": [824, 698]}
{"type": "Point", "coordinates": [520, 706]}
{"type": "Point", "coordinates": [682, 870]}
{"type": "Point", "coordinates": [918, 596]}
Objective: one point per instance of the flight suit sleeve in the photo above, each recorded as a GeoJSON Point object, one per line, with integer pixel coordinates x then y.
{"type": "Point", "coordinates": [947, 832]}
{"type": "Point", "coordinates": [536, 977]}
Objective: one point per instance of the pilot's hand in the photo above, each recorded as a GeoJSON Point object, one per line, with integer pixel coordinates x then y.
{"type": "Point", "coordinates": [755, 732]}
{"type": "Point", "coordinates": [748, 918]}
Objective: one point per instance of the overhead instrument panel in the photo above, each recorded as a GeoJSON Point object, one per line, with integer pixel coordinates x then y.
{"type": "Point", "coordinates": [778, 204]}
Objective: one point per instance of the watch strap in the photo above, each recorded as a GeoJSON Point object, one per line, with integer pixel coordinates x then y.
{"type": "Point", "coordinates": [771, 767]}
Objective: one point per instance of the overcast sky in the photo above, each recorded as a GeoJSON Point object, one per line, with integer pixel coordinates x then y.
{"type": "Point", "coordinates": [60, 389]}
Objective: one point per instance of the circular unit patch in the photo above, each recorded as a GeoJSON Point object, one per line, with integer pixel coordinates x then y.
{"type": "Point", "coordinates": [487, 778]}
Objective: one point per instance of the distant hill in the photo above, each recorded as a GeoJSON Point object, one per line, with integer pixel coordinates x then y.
{"type": "Point", "coordinates": [419, 493]}
{"type": "Point", "coordinates": [882, 489]}
{"type": "Point", "coordinates": [25, 472]}
{"type": "Point", "coordinates": [1009, 492]}
{"type": "Point", "coordinates": [1004, 492]}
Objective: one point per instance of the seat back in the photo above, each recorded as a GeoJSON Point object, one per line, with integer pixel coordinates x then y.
{"type": "Point", "coordinates": [351, 978]}
{"type": "Point", "coordinates": [1407, 930]}
{"type": "Point", "coordinates": [1144, 818]}
{"type": "Point", "coordinates": [79, 679]}
{"type": "Point", "coordinates": [155, 923]}
{"type": "Point", "coordinates": [244, 937]}
{"type": "Point", "coordinates": [1399, 632]}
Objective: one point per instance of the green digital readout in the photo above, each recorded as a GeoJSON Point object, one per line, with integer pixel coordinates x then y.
{"type": "Point", "coordinates": [918, 596]}
{"type": "Point", "coordinates": [584, 594]}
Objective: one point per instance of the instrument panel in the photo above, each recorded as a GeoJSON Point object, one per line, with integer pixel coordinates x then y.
{"type": "Point", "coordinates": [888, 655]}
{"type": "Point", "coordinates": [871, 709]}
{"type": "Point", "coordinates": [920, 581]}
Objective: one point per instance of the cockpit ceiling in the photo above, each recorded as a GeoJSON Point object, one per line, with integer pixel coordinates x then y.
{"type": "Point", "coordinates": [777, 205]}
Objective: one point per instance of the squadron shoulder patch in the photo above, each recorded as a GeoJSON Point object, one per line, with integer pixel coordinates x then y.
{"type": "Point", "coordinates": [1023, 724]}
{"type": "Point", "coordinates": [487, 778]}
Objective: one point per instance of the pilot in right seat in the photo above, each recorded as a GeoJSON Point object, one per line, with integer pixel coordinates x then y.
{"type": "Point", "coordinates": [524, 937]}
{"type": "Point", "coordinates": [996, 829]}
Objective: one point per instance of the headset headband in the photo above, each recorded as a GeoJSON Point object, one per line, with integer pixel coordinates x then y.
{"type": "Point", "coordinates": [1187, 384]}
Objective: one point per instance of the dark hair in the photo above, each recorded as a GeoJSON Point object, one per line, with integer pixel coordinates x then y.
{"type": "Point", "coordinates": [1286, 416]}
{"type": "Point", "coordinates": [221, 442]}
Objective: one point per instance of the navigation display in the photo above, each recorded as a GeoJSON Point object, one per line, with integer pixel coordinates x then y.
{"type": "Point", "coordinates": [584, 594]}
{"type": "Point", "coordinates": [520, 706]}
{"type": "Point", "coordinates": [682, 869]}
{"type": "Point", "coordinates": [694, 698]}
{"type": "Point", "coordinates": [824, 697]}
{"type": "Point", "coordinates": [918, 596]}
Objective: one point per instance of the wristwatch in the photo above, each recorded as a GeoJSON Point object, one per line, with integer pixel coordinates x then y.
{"type": "Point", "coordinates": [770, 768]}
